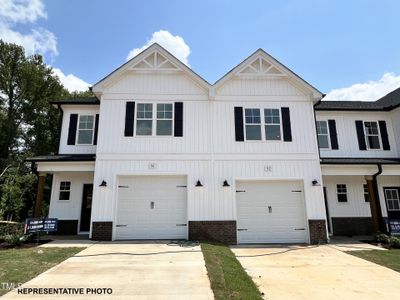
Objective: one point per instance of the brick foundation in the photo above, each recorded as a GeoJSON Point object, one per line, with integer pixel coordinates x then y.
{"type": "Point", "coordinates": [318, 234]}
{"type": "Point", "coordinates": [67, 227]}
{"type": "Point", "coordinates": [216, 231]}
{"type": "Point", "coordinates": [102, 231]}
{"type": "Point", "coordinates": [352, 226]}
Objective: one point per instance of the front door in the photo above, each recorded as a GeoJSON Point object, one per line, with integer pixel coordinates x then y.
{"type": "Point", "coordinates": [86, 207]}
{"type": "Point", "coordinates": [392, 197]}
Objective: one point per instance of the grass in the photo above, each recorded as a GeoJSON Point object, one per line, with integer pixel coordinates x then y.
{"type": "Point", "coordinates": [389, 258]}
{"type": "Point", "coordinates": [20, 265]}
{"type": "Point", "coordinates": [228, 278]}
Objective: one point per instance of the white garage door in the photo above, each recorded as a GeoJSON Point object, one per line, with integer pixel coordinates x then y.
{"type": "Point", "coordinates": [270, 212]}
{"type": "Point", "coordinates": [151, 207]}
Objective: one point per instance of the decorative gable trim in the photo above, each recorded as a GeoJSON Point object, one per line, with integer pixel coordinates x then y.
{"type": "Point", "coordinates": [155, 62]}
{"type": "Point", "coordinates": [262, 68]}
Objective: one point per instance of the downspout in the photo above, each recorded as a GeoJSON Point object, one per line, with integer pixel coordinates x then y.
{"type": "Point", "coordinates": [60, 121]}
{"type": "Point", "coordinates": [382, 226]}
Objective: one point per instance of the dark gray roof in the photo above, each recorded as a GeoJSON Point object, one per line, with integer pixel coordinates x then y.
{"type": "Point", "coordinates": [386, 103]}
{"type": "Point", "coordinates": [391, 100]}
{"type": "Point", "coordinates": [77, 101]}
{"type": "Point", "coordinates": [359, 161]}
{"type": "Point", "coordinates": [63, 157]}
{"type": "Point", "coordinates": [349, 105]}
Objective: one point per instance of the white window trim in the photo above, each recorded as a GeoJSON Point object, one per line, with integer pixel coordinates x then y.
{"type": "Point", "coordinates": [77, 129]}
{"type": "Point", "coordinates": [386, 200]}
{"type": "Point", "coordinates": [379, 135]}
{"type": "Point", "coordinates": [337, 194]}
{"type": "Point", "coordinates": [59, 191]}
{"type": "Point", "coordinates": [262, 124]}
{"type": "Point", "coordinates": [328, 134]}
{"type": "Point", "coordinates": [154, 120]}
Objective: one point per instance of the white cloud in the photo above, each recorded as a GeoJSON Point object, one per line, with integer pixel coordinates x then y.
{"type": "Point", "coordinates": [367, 91]}
{"type": "Point", "coordinates": [174, 44]}
{"type": "Point", "coordinates": [38, 39]}
{"type": "Point", "coordinates": [71, 82]}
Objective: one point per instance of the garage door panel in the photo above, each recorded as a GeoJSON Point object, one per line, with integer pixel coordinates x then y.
{"type": "Point", "coordinates": [270, 212]}
{"type": "Point", "coordinates": [151, 207]}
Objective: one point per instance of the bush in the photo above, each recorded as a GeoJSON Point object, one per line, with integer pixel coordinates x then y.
{"type": "Point", "coordinates": [382, 238]}
{"type": "Point", "coordinates": [12, 233]}
{"type": "Point", "coordinates": [394, 242]}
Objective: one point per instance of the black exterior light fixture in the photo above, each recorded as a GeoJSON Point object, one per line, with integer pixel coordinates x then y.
{"type": "Point", "coordinates": [103, 183]}
{"type": "Point", "coordinates": [198, 184]}
{"type": "Point", "coordinates": [315, 182]}
{"type": "Point", "coordinates": [226, 184]}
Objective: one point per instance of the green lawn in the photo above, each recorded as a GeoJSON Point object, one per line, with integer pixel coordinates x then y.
{"type": "Point", "coordinates": [20, 265]}
{"type": "Point", "coordinates": [228, 278]}
{"type": "Point", "coordinates": [389, 258]}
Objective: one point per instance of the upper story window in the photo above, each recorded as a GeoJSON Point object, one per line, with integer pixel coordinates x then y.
{"type": "Point", "coordinates": [269, 126]}
{"type": "Point", "coordinates": [85, 130]}
{"type": "Point", "coordinates": [156, 120]}
{"type": "Point", "coordinates": [65, 190]}
{"type": "Point", "coordinates": [164, 119]}
{"type": "Point", "coordinates": [341, 191]}
{"type": "Point", "coordinates": [253, 124]}
{"type": "Point", "coordinates": [272, 125]}
{"type": "Point", "coordinates": [372, 135]}
{"type": "Point", "coordinates": [323, 134]}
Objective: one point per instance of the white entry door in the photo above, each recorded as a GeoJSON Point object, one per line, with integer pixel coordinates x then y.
{"type": "Point", "coordinates": [271, 212]}
{"type": "Point", "coordinates": [151, 207]}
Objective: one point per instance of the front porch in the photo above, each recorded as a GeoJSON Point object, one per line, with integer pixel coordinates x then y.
{"type": "Point", "coordinates": [71, 191]}
{"type": "Point", "coordinates": [356, 195]}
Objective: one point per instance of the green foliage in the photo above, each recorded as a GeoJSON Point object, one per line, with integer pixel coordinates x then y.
{"type": "Point", "coordinates": [394, 242]}
{"type": "Point", "coordinates": [28, 124]}
{"type": "Point", "coordinates": [382, 238]}
{"type": "Point", "coordinates": [12, 233]}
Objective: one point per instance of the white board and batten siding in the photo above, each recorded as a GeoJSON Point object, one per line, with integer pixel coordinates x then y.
{"type": "Point", "coordinates": [395, 117]}
{"type": "Point", "coordinates": [80, 110]}
{"type": "Point", "coordinates": [347, 134]}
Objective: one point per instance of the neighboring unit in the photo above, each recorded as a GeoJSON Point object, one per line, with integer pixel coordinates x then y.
{"type": "Point", "coordinates": [159, 153]}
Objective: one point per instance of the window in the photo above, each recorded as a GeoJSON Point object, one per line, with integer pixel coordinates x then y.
{"type": "Point", "coordinates": [392, 199]}
{"type": "Point", "coordinates": [164, 119]}
{"type": "Point", "coordinates": [144, 123]}
{"type": "Point", "coordinates": [253, 124]}
{"type": "Point", "coordinates": [85, 130]}
{"type": "Point", "coordinates": [366, 193]}
{"type": "Point", "coordinates": [65, 190]}
{"type": "Point", "coordinates": [323, 134]}
{"type": "Point", "coordinates": [372, 135]}
{"type": "Point", "coordinates": [341, 190]}
{"type": "Point", "coordinates": [272, 125]}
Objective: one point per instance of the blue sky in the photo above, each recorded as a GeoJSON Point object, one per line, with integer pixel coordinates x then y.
{"type": "Point", "coordinates": [331, 44]}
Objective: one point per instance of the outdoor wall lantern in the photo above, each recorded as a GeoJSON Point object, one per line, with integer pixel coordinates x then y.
{"type": "Point", "coordinates": [103, 183]}
{"type": "Point", "coordinates": [198, 184]}
{"type": "Point", "coordinates": [315, 182]}
{"type": "Point", "coordinates": [225, 184]}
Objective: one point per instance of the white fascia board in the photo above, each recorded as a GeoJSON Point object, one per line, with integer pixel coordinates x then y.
{"type": "Point", "coordinates": [82, 166]}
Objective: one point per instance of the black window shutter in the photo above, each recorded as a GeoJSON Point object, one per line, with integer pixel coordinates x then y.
{"type": "Point", "coordinates": [384, 135]}
{"type": "Point", "coordinates": [129, 118]}
{"type": "Point", "coordinates": [96, 129]}
{"type": "Point", "coordinates": [73, 122]}
{"type": "Point", "coordinates": [239, 133]}
{"type": "Point", "coordinates": [178, 121]}
{"type": "Point", "coordinates": [360, 135]}
{"type": "Point", "coordinates": [286, 126]}
{"type": "Point", "coordinates": [333, 134]}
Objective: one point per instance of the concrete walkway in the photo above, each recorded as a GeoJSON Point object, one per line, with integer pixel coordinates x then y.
{"type": "Point", "coordinates": [132, 270]}
{"type": "Point", "coordinates": [317, 272]}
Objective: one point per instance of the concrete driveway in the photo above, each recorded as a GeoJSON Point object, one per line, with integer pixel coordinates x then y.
{"type": "Point", "coordinates": [320, 272]}
{"type": "Point", "coordinates": [131, 270]}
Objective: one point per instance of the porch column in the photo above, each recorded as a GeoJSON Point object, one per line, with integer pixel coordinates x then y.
{"type": "Point", "coordinates": [372, 203]}
{"type": "Point", "coordinates": [39, 194]}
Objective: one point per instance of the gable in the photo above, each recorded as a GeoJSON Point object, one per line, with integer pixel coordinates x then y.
{"type": "Point", "coordinates": [260, 74]}
{"type": "Point", "coordinates": [154, 70]}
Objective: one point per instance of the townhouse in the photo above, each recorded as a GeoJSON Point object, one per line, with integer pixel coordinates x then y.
{"type": "Point", "coordinates": [160, 153]}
